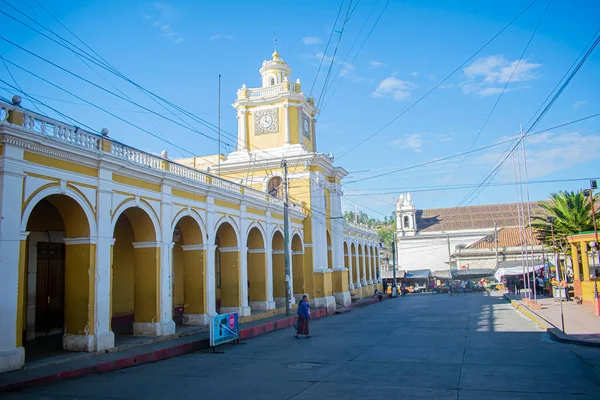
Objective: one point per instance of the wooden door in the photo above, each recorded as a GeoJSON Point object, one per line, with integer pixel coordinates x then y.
{"type": "Point", "coordinates": [50, 288]}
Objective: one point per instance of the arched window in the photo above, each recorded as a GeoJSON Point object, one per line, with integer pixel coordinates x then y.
{"type": "Point", "coordinates": [406, 222]}
{"type": "Point", "coordinates": [272, 81]}
{"type": "Point", "coordinates": [275, 186]}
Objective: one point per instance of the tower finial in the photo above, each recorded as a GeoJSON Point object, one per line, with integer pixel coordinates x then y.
{"type": "Point", "coordinates": [274, 41]}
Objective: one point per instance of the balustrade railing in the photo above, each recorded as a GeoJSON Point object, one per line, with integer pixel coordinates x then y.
{"type": "Point", "coordinates": [76, 137]}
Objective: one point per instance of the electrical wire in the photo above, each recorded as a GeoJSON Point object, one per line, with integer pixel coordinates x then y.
{"type": "Point", "coordinates": [438, 84]}
{"type": "Point", "coordinates": [487, 119]}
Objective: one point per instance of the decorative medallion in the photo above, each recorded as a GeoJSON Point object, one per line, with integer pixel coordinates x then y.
{"type": "Point", "coordinates": [266, 121]}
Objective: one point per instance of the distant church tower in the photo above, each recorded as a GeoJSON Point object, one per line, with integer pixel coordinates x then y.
{"type": "Point", "coordinates": [406, 216]}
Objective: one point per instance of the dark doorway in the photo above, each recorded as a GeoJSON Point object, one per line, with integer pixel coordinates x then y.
{"type": "Point", "coordinates": [50, 289]}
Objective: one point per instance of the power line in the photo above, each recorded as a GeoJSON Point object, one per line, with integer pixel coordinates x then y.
{"type": "Point", "coordinates": [467, 186]}
{"type": "Point", "coordinates": [439, 83]}
{"type": "Point", "coordinates": [326, 47]}
{"type": "Point", "coordinates": [490, 176]}
{"type": "Point", "coordinates": [333, 57]}
{"type": "Point", "coordinates": [357, 53]}
{"type": "Point", "coordinates": [487, 119]}
{"type": "Point", "coordinates": [472, 151]}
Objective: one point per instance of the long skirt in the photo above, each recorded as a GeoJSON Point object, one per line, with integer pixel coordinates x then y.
{"type": "Point", "coordinates": [302, 326]}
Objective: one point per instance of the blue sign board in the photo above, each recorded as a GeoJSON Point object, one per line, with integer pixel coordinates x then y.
{"type": "Point", "coordinates": [224, 328]}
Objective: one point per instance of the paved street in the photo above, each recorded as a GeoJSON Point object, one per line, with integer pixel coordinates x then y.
{"type": "Point", "coordinates": [432, 347]}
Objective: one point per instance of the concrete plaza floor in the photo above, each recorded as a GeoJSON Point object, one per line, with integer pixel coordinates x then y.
{"type": "Point", "coordinates": [470, 346]}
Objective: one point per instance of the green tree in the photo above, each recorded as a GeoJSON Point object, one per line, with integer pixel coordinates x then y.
{"type": "Point", "coordinates": [386, 234]}
{"type": "Point", "coordinates": [572, 213]}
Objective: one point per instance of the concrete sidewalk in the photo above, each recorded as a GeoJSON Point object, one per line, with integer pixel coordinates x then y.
{"type": "Point", "coordinates": [581, 326]}
{"type": "Point", "coordinates": [82, 364]}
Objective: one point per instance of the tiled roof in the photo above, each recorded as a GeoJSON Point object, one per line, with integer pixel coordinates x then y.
{"type": "Point", "coordinates": [507, 237]}
{"type": "Point", "coordinates": [472, 217]}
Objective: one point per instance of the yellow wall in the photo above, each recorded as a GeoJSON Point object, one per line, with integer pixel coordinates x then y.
{"type": "Point", "coordinates": [147, 281]}
{"type": "Point", "coordinates": [268, 140]}
{"type": "Point", "coordinates": [340, 281]}
{"type": "Point", "coordinates": [257, 275]}
{"type": "Point", "coordinates": [194, 282]}
{"type": "Point", "coordinates": [123, 268]}
{"type": "Point", "coordinates": [80, 273]}
{"type": "Point", "coordinates": [178, 276]}
{"type": "Point", "coordinates": [295, 133]}
{"type": "Point", "coordinates": [230, 279]}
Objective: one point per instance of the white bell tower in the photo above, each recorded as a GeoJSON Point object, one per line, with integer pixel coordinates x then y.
{"type": "Point", "coordinates": [406, 216]}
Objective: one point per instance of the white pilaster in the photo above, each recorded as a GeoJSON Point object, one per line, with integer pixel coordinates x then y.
{"type": "Point", "coordinates": [166, 263]}
{"type": "Point", "coordinates": [350, 268]}
{"type": "Point", "coordinates": [11, 189]}
{"type": "Point", "coordinates": [269, 262]}
{"type": "Point", "coordinates": [357, 280]}
{"type": "Point", "coordinates": [243, 246]}
{"type": "Point", "coordinates": [211, 306]}
{"type": "Point", "coordinates": [242, 128]}
{"type": "Point", "coordinates": [286, 121]}
{"type": "Point", "coordinates": [105, 338]}
{"type": "Point", "coordinates": [363, 273]}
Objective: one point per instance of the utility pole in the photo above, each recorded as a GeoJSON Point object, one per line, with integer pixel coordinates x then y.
{"type": "Point", "coordinates": [496, 240]}
{"type": "Point", "coordinates": [449, 255]}
{"type": "Point", "coordinates": [286, 243]}
{"type": "Point", "coordinates": [219, 129]}
{"type": "Point", "coordinates": [394, 287]}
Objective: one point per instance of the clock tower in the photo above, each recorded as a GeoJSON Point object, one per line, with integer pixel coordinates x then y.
{"type": "Point", "coordinates": [276, 118]}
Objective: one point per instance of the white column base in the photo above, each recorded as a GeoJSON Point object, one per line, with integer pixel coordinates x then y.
{"type": "Point", "coordinates": [262, 305]}
{"type": "Point", "coordinates": [351, 286]}
{"type": "Point", "coordinates": [196, 319]}
{"type": "Point", "coordinates": [343, 298]}
{"type": "Point", "coordinates": [369, 282]}
{"type": "Point", "coordinates": [357, 285]}
{"type": "Point", "coordinates": [11, 360]}
{"type": "Point", "coordinates": [327, 302]}
{"type": "Point", "coordinates": [89, 343]}
{"type": "Point", "coordinates": [153, 328]}
{"type": "Point", "coordinates": [364, 283]}
{"type": "Point", "coordinates": [242, 311]}
{"type": "Point", "coordinates": [279, 302]}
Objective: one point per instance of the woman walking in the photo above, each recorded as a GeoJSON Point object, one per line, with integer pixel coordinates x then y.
{"type": "Point", "coordinates": [303, 317]}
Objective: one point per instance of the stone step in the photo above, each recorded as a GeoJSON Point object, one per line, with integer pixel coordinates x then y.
{"type": "Point", "coordinates": [342, 310]}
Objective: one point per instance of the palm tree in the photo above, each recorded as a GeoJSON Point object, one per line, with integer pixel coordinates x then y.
{"type": "Point", "coordinates": [572, 213]}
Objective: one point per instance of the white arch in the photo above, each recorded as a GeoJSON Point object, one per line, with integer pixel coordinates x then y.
{"type": "Point", "coordinates": [195, 217]}
{"type": "Point", "coordinates": [297, 232]}
{"type": "Point", "coordinates": [234, 226]}
{"type": "Point", "coordinates": [42, 194]}
{"type": "Point", "coordinates": [276, 229]}
{"type": "Point", "coordinates": [141, 205]}
{"type": "Point", "coordinates": [261, 229]}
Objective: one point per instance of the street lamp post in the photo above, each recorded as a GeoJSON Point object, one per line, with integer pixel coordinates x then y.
{"type": "Point", "coordinates": [594, 245]}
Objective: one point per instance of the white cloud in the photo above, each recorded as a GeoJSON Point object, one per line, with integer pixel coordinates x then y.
{"type": "Point", "coordinates": [166, 15]}
{"type": "Point", "coordinates": [394, 87]}
{"type": "Point", "coordinates": [413, 141]}
{"type": "Point", "coordinates": [548, 146]}
{"type": "Point", "coordinates": [310, 40]}
{"type": "Point", "coordinates": [347, 69]}
{"type": "Point", "coordinates": [488, 76]}
{"type": "Point", "coordinates": [414, 73]}
{"type": "Point", "coordinates": [578, 104]}
{"type": "Point", "coordinates": [220, 36]}
{"type": "Point", "coordinates": [376, 64]}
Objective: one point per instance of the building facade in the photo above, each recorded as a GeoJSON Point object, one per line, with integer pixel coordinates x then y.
{"type": "Point", "coordinates": [473, 237]}
{"type": "Point", "coordinates": [99, 239]}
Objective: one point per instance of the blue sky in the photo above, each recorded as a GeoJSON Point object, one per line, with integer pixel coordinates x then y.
{"type": "Point", "coordinates": [178, 48]}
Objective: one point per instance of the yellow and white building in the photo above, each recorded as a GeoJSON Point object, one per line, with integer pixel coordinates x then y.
{"type": "Point", "coordinates": [99, 239]}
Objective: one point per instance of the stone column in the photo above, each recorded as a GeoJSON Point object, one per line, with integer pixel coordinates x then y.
{"type": "Point", "coordinates": [243, 263]}
{"type": "Point", "coordinates": [358, 271]}
{"type": "Point", "coordinates": [166, 263]}
{"type": "Point", "coordinates": [350, 268]}
{"type": "Point", "coordinates": [210, 248]}
{"type": "Point", "coordinates": [363, 273]}
{"type": "Point", "coordinates": [12, 272]}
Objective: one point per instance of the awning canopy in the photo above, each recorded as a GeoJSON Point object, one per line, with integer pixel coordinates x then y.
{"type": "Point", "coordinates": [418, 274]}
{"type": "Point", "coordinates": [441, 274]}
{"type": "Point", "coordinates": [517, 270]}
{"type": "Point", "coordinates": [473, 273]}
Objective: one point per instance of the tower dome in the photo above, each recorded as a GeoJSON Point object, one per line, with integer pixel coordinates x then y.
{"type": "Point", "coordinates": [274, 71]}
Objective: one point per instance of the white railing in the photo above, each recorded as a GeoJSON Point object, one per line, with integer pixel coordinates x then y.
{"type": "Point", "coordinates": [49, 128]}
{"type": "Point", "coordinates": [73, 136]}
{"type": "Point", "coordinates": [266, 92]}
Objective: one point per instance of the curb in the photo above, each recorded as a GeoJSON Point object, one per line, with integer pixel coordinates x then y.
{"type": "Point", "coordinates": [163, 354]}
{"type": "Point", "coordinates": [556, 333]}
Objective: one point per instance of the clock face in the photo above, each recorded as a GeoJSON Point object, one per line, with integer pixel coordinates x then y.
{"type": "Point", "coordinates": [306, 126]}
{"type": "Point", "coordinates": [265, 121]}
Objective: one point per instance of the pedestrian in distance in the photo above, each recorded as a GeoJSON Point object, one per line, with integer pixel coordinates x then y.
{"type": "Point", "coordinates": [303, 318]}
